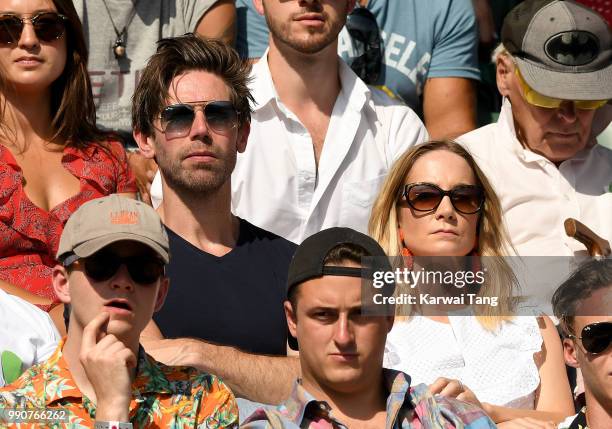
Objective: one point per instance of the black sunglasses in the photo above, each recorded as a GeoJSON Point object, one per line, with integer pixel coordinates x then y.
{"type": "Point", "coordinates": [101, 266]}
{"type": "Point", "coordinates": [426, 197]}
{"type": "Point", "coordinates": [48, 26]}
{"type": "Point", "coordinates": [362, 26]}
{"type": "Point", "coordinates": [176, 120]}
{"type": "Point", "coordinates": [595, 337]}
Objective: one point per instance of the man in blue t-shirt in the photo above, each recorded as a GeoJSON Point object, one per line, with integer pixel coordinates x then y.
{"type": "Point", "coordinates": [429, 56]}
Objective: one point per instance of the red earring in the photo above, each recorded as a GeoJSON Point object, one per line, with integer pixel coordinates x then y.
{"type": "Point", "coordinates": [406, 253]}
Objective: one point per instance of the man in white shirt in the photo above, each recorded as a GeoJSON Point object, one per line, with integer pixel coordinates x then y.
{"type": "Point", "coordinates": [554, 70]}
{"type": "Point", "coordinates": [321, 141]}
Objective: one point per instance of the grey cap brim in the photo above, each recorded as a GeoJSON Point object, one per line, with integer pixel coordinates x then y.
{"type": "Point", "coordinates": [92, 246]}
{"type": "Point", "coordinates": [596, 85]}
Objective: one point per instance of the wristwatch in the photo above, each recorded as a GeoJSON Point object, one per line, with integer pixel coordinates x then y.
{"type": "Point", "coordinates": [112, 425]}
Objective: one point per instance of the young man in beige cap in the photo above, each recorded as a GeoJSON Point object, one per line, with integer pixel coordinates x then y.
{"type": "Point", "coordinates": [113, 253]}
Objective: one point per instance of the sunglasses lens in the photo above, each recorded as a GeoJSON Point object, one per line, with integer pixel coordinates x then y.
{"type": "Point", "coordinates": [220, 115]}
{"type": "Point", "coordinates": [176, 120]}
{"type": "Point", "coordinates": [101, 266]}
{"type": "Point", "coordinates": [596, 337]}
{"type": "Point", "coordinates": [10, 29]}
{"type": "Point", "coordinates": [48, 26]}
{"type": "Point", "coordinates": [467, 200]}
{"type": "Point", "coordinates": [145, 270]}
{"type": "Point", "coordinates": [423, 197]}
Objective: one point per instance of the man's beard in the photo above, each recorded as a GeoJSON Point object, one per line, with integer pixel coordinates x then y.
{"type": "Point", "coordinates": [200, 180]}
{"type": "Point", "coordinates": [316, 41]}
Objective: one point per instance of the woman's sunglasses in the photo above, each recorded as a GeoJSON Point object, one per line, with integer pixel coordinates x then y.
{"type": "Point", "coordinates": [103, 265]}
{"type": "Point", "coordinates": [48, 26]}
{"type": "Point", "coordinates": [426, 197]}
{"type": "Point", "coordinates": [595, 337]}
{"type": "Point", "coordinates": [176, 120]}
{"type": "Point", "coordinates": [540, 100]}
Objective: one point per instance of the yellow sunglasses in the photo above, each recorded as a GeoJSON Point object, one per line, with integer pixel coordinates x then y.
{"type": "Point", "coordinates": [536, 99]}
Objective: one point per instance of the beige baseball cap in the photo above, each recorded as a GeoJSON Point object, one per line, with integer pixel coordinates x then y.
{"type": "Point", "coordinates": [104, 221]}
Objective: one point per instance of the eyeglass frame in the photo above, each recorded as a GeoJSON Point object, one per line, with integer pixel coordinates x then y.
{"type": "Point", "coordinates": [408, 186]}
{"type": "Point", "coordinates": [32, 20]}
{"type": "Point", "coordinates": [202, 106]}
{"type": "Point", "coordinates": [574, 337]}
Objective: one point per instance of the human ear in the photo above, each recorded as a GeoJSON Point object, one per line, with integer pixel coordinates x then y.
{"type": "Point", "coordinates": [145, 144]}
{"type": "Point", "coordinates": [569, 353]}
{"type": "Point", "coordinates": [59, 279]}
{"type": "Point", "coordinates": [504, 74]}
{"type": "Point", "coordinates": [291, 316]}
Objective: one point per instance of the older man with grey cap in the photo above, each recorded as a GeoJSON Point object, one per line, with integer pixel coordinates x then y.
{"type": "Point", "coordinates": [554, 69]}
{"type": "Point", "coordinates": [113, 251]}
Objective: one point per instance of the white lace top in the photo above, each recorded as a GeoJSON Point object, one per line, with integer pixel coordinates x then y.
{"type": "Point", "coordinates": [498, 366]}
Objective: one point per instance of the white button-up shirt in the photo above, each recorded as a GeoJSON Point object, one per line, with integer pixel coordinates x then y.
{"type": "Point", "coordinates": [536, 196]}
{"type": "Point", "coordinates": [276, 184]}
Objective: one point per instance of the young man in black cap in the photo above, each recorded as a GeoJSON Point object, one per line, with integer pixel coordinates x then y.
{"type": "Point", "coordinates": [343, 383]}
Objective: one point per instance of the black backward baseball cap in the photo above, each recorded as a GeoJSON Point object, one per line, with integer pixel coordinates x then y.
{"type": "Point", "coordinates": [308, 260]}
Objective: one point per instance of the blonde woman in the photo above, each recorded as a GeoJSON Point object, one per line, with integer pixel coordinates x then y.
{"type": "Point", "coordinates": [437, 202]}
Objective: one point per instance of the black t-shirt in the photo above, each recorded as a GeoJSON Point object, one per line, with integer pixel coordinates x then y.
{"type": "Point", "coordinates": [234, 300]}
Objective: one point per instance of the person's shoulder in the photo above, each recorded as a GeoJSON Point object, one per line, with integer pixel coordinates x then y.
{"type": "Point", "coordinates": [268, 238]}
{"type": "Point", "coordinates": [481, 141]}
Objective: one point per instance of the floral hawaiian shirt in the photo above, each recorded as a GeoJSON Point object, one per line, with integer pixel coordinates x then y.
{"type": "Point", "coordinates": [407, 408]}
{"type": "Point", "coordinates": [163, 397]}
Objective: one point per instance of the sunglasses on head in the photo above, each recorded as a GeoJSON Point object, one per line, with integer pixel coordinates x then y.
{"type": "Point", "coordinates": [426, 197]}
{"type": "Point", "coordinates": [536, 99]}
{"type": "Point", "coordinates": [103, 265]}
{"type": "Point", "coordinates": [48, 26]}
{"type": "Point", "coordinates": [595, 337]}
{"type": "Point", "coordinates": [176, 119]}
{"type": "Point", "coordinates": [362, 26]}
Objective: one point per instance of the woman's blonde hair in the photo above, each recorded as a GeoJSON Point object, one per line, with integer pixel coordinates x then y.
{"type": "Point", "coordinates": [492, 237]}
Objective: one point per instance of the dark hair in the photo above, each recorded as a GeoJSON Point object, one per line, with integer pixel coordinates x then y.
{"type": "Point", "coordinates": [177, 55]}
{"type": "Point", "coordinates": [338, 256]}
{"type": "Point", "coordinates": [72, 104]}
{"type": "Point", "coordinates": [588, 278]}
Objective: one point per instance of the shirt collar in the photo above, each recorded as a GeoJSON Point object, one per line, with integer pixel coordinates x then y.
{"type": "Point", "coordinates": [353, 89]}
{"type": "Point", "coordinates": [397, 384]}
{"type": "Point", "coordinates": [59, 383]}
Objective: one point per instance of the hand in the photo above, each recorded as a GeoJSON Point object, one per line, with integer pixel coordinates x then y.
{"type": "Point", "coordinates": [144, 169]}
{"type": "Point", "coordinates": [526, 423]}
{"type": "Point", "coordinates": [107, 363]}
{"type": "Point", "coordinates": [454, 389]}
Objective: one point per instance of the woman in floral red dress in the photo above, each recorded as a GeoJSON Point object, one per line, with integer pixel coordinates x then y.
{"type": "Point", "coordinates": [52, 156]}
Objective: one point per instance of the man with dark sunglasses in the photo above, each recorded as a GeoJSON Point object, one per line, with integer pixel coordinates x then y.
{"type": "Point", "coordinates": [113, 253]}
{"type": "Point", "coordinates": [583, 304]}
{"type": "Point", "coordinates": [191, 114]}
{"type": "Point", "coordinates": [554, 69]}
